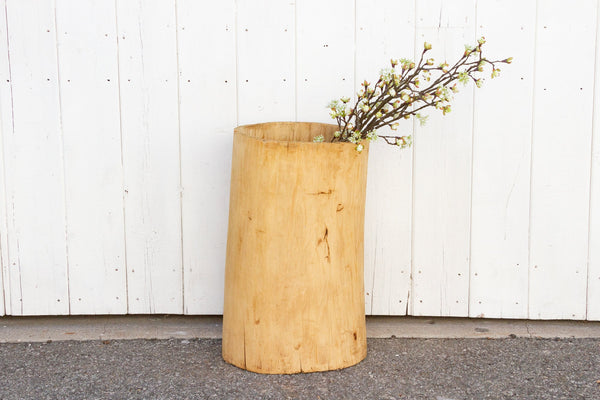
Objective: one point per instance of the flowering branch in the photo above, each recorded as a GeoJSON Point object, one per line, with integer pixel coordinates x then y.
{"type": "Point", "coordinates": [402, 91]}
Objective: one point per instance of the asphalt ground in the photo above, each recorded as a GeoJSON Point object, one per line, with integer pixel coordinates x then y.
{"type": "Point", "coordinates": [395, 368]}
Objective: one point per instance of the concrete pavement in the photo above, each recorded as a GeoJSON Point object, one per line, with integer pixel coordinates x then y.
{"type": "Point", "coordinates": [41, 329]}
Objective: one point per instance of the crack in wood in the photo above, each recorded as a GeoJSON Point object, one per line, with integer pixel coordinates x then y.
{"type": "Point", "coordinates": [324, 239]}
{"type": "Point", "coordinates": [330, 191]}
{"type": "Point", "coordinates": [327, 244]}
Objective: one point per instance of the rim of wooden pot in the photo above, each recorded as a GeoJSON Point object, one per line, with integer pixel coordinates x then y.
{"type": "Point", "coordinates": [242, 130]}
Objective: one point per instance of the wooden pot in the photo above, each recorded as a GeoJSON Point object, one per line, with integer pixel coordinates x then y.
{"type": "Point", "coordinates": [294, 283]}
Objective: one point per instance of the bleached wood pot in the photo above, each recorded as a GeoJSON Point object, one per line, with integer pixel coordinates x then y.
{"type": "Point", "coordinates": [294, 272]}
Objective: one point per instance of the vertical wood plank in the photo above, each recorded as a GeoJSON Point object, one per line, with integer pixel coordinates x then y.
{"type": "Point", "coordinates": [87, 50]}
{"type": "Point", "coordinates": [5, 129]}
{"type": "Point", "coordinates": [593, 284]}
{"type": "Point", "coordinates": [442, 173]}
{"type": "Point", "coordinates": [266, 61]}
{"type": "Point", "coordinates": [564, 256]}
{"type": "Point", "coordinates": [384, 30]}
{"type": "Point", "coordinates": [501, 164]}
{"type": "Point", "coordinates": [560, 184]}
{"type": "Point", "coordinates": [325, 56]}
{"type": "Point", "coordinates": [150, 132]}
{"type": "Point", "coordinates": [207, 74]}
{"type": "Point", "coordinates": [36, 242]}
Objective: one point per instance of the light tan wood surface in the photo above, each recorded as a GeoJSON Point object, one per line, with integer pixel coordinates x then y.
{"type": "Point", "coordinates": [294, 297]}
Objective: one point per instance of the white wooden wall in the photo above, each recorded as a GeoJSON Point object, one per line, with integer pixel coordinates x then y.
{"type": "Point", "coordinates": [116, 121]}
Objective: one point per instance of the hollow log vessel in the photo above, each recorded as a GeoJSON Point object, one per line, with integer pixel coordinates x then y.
{"type": "Point", "coordinates": [294, 286]}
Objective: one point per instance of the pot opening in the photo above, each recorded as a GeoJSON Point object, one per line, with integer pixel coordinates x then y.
{"type": "Point", "coordinates": [288, 131]}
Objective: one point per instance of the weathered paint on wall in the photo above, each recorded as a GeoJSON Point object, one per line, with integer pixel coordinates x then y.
{"type": "Point", "coordinates": [116, 127]}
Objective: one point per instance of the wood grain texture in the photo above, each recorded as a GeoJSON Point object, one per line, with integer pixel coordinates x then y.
{"type": "Point", "coordinates": [442, 173]}
{"type": "Point", "coordinates": [325, 56]}
{"type": "Point", "coordinates": [5, 129]}
{"type": "Point", "coordinates": [150, 135]}
{"type": "Point", "coordinates": [208, 112]}
{"type": "Point", "coordinates": [35, 208]}
{"type": "Point", "coordinates": [380, 36]}
{"type": "Point", "coordinates": [503, 191]}
{"type": "Point", "coordinates": [593, 276]}
{"type": "Point", "coordinates": [266, 61]}
{"type": "Point", "coordinates": [294, 272]}
{"type": "Point", "coordinates": [501, 164]}
{"type": "Point", "coordinates": [87, 58]}
{"type": "Point", "coordinates": [561, 148]}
